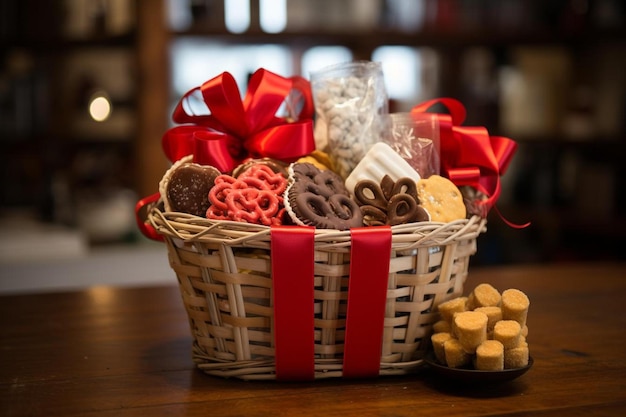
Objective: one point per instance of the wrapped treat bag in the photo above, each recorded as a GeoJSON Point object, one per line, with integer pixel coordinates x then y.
{"type": "Point", "coordinates": [415, 137]}
{"type": "Point", "coordinates": [349, 99]}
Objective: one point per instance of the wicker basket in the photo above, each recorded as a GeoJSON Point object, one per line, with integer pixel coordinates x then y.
{"type": "Point", "coordinates": [224, 273]}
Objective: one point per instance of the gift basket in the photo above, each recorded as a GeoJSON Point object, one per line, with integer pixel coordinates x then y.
{"type": "Point", "coordinates": [300, 232]}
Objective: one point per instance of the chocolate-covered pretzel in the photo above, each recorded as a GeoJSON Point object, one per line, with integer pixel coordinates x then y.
{"type": "Point", "coordinates": [404, 185]}
{"type": "Point", "coordinates": [403, 208]}
{"type": "Point", "coordinates": [319, 198]}
{"type": "Point", "coordinates": [389, 202]}
{"type": "Point", "coordinates": [373, 216]}
{"type": "Point", "coordinates": [377, 197]}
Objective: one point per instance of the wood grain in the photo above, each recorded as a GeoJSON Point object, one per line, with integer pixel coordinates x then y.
{"type": "Point", "coordinates": [126, 352]}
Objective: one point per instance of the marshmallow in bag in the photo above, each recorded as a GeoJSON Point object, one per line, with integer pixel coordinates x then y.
{"type": "Point", "coordinates": [350, 99]}
{"type": "Point", "coordinates": [379, 161]}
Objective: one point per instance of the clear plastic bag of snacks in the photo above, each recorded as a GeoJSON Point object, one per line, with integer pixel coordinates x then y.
{"type": "Point", "coordinates": [349, 99]}
{"type": "Point", "coordinates": [415, 137]}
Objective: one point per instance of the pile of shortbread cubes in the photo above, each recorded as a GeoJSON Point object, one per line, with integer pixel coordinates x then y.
{"type": "Point", "coordinates": [485, 330]}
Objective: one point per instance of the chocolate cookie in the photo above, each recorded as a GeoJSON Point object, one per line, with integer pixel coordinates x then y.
{"type": "Point", "coordinates": [319, 198]}
{"type": "Point", "coordinates": [185, 187]}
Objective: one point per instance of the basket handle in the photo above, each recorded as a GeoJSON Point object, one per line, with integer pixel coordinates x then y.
{"type": "Point", "coordinates": [140, 216]}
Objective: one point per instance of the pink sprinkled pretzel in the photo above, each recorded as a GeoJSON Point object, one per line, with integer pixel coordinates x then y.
{"type": "Point", "coordinates": [253, 197]}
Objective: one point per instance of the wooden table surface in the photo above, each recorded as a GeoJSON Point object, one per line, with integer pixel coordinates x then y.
{"type": "Point", "coordinates": [126, 352]}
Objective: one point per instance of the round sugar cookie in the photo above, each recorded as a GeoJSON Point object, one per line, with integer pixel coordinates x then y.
{"type": "Point", "coordinates": [441, 199]}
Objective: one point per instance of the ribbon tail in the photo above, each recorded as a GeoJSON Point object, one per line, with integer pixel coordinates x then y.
{"type": "Point", "coordinates": [493, 193]}
{"type": "Point", "coordinates": [508, 222]}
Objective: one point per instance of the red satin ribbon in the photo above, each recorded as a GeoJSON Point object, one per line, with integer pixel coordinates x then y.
{"type": "Point", "coordinates": [143, 225]}
{"type": "Point", "coordinates": [236, 129]}
{"type": "Point", "coordinates": [367, 296]}
{"type": "Point", "coordinates": [292, 250]}
{"type": "Point", "coordinates": [469, 155]}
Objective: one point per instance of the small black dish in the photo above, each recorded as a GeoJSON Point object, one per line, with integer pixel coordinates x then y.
{"type": "Point", "coordinates": [474, 375]}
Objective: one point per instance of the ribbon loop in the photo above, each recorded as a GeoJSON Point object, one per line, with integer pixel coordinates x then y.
{"type": "Point", "coordinates": [469, 155]}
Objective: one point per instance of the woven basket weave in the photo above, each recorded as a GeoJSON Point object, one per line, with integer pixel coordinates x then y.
{"type": "Point", "coordinates": [224, 273]}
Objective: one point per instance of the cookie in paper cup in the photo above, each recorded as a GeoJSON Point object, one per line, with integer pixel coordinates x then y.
{"type": "Point", "coordinates": [185, 186]}
{"type": "Point", "coordinates": [319, 198]}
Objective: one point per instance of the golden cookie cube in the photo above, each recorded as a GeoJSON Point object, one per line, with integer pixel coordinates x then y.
{"type": "Point", "coordinates": [508, 332]}
{"type": "Point", "coordinates": [471, 329]}
{"type": "Point", "coordinates": [456, 357]}
{"type": "Point", "coordinates": [484, 295]}
{"type": "Point", "coordinates": [522, 341]}
{"type": "Point", "coordinates": [515, 306]}
{"type": "Point", "coordinates": [489, 356]}
{"type": "Point", "coordinates": [448, 308]}
{"type": "Point", "coordinates": [525, 330]}
{"type": "Point", "coordinates": [494, 315]}
{"type": "Point", "coordinates": [438, 340]}
{"type": "Point", "coordinates": [442, 326]}
{"type": "Point", "coordinates": [516, 357]}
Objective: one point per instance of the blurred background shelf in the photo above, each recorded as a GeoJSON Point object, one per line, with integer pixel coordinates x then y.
{"type": "Point", "coordinates": [548, 74]}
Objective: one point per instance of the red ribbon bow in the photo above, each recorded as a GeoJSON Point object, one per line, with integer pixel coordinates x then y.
{"type": "Point", "coordinates": [236, 129]}
{"type": "Point", "coordinates": [469, 155]}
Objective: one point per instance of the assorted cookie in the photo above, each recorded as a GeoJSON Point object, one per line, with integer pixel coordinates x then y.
{"type": "Point", "coordinates": [319, 198]}
{"type": "Point", "coordinates": [309, 192]}
{"type": "Point", "coordinates": [185, 187]}
{"type": "Point", "coordinates": [441, 198]}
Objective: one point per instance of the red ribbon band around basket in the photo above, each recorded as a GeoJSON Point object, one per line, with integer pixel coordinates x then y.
{"type": "Point", "coordinates": [292, 249]}
{"type": "Point", "coordinates": [469, 155]}
{"type": "Point", "coordinates": [367, 295]}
